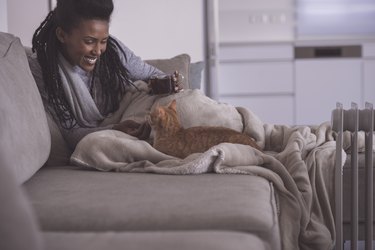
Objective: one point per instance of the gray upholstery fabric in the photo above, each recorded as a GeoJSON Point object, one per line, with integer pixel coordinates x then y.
{"type": "Point", "coordinates": [60, 151]}
{"type": "Point", "coordinates": [181, 63]}
{"type": "Point", "coordinates": [195, 74]}
{"type": "Point", "coordinates": [70, 199]}
{"type": "Point", "coordinates": [24, 134]}
{"type": "Point", "coordinates": [183, 240]}
{"type": "Point", "coordinates": [18, 227]}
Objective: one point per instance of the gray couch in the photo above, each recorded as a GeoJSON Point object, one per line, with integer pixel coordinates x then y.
{"type": "Point", "coordinates": [49, 204]}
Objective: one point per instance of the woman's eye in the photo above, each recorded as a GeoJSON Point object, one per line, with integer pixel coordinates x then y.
{"type": "Point", "coordinates": [90, 41]}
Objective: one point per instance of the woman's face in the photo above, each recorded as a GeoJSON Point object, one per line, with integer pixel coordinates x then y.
{"type": "Point", "coordinates": [84, 44]}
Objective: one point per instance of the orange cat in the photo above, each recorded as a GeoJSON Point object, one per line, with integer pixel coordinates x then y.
{"type": "Point", "coordinates": [172, 139]}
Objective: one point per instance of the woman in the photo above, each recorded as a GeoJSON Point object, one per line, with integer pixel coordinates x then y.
{"type": "Point", "coordinates": [83, 72]}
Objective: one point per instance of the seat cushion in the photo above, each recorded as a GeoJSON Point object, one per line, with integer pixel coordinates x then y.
{"type": "Point", "coordinates": [73, 199]}
{"type": "Point", "coordinates": [24, 134]}
{"type": "Point", "coordinates": [182, 240]}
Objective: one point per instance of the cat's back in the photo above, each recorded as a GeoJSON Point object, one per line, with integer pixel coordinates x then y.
{"type": "Point", "coordinates": [211, 136]}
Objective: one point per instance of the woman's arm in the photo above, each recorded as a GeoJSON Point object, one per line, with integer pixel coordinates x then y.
{"type": "Point", "coordinates": [138, 69]}
{"type": "Point", "coordinates": [74, 135]}
{"type": "Point", "coordinates": [130, 127]}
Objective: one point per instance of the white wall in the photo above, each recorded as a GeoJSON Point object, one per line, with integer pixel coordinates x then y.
{"type": "Point", "coordinates": [151, 28]}
{"type": "Point", "coordinates": [3, 16]}
{"type": "Point", "coordinates": [25, 16]}
{"type": "Point", "coordinates": [160, 28]}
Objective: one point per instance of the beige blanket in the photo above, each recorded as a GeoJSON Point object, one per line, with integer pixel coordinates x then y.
{"type": "Point", "coordinates": [298, 160]}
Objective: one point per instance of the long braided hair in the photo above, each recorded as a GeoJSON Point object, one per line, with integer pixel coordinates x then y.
{"type": "Point", "coordinates": [112, 74]}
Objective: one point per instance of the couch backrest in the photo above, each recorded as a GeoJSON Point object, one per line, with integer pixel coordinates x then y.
{"type": "Point", "coordinates": [24, 134]}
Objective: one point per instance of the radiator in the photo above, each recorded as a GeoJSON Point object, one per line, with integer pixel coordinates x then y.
{"type": "Point", "coordinates": [354, 120]}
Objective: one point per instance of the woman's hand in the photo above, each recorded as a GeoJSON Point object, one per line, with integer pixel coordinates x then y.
{"type": "Point", "coordinates": [169, 84]}
{"type": "Point", "coordinates": [140, 130]}
{"type": "Point", "coordinates": [177, 79]}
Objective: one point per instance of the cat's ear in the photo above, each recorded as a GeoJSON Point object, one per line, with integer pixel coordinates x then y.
{"type": "Point", "coordinates": [161, 111]}
{"type": "Point", "coordinates": [173, 105]}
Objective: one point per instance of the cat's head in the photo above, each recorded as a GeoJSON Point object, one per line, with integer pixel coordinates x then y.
{"type": "Point", "coordinates": [164, 117]}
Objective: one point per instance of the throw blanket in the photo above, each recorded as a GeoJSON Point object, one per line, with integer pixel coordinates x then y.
{"type": "Point", "coordinates": [298, 160]}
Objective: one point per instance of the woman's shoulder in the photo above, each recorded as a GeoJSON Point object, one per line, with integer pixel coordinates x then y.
{"type": "Point", "coordinates": [127, 53]}
{"type": "Point", "coordinates": [118, 43]}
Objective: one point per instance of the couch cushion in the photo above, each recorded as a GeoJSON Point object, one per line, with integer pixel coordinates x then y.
{"type": "Point", "coordinates": [183, 240]}
{"type": "Point", "coordinates": [195, 74]}
{"type": "Point", "coordinates": [181, 63]}
{"type": "Point", "coordinates": [24, 133]}
{"type": "Point", "coordinates": [69, 198]}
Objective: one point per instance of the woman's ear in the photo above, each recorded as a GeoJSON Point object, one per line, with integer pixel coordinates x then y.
{"type": "Point", "coordinates": [60, 34]}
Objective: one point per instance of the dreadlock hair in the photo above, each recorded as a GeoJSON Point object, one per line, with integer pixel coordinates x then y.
{"type": "Point", "coordinates": [109, 69]}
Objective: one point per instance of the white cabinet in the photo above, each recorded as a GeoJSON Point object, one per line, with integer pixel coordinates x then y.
{"type": "Point", "coordinates": [369, 80]}
{"type": "Point", "coordinates": [260, 78]}
{"type": "Point", "coordinates": [254, 20]}
{"type": "Point", "coordinates": [256, 78]}
{"type": "Point", "coordinates": [253, 74]}
{"type": "Point", "coordinates": [369, 72]}
{"type": "Point", "coordinates": [284, 85]}
{"type": "Point", "coordinates": [320, 83]}
{"type": "Point", "coordinates": [259, 65]}
{"type": "Point", "coordinates": [276, 109]}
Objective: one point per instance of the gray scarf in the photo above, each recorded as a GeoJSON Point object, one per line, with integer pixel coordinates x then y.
{"type": "Point", "coordinates": [78, 95]}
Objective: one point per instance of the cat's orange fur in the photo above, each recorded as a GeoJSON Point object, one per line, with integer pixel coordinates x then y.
{"type": "Point", "coordinates": [172, 139]}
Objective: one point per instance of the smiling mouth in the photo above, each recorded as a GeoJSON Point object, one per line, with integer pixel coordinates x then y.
{"type": "Point", "coordinates": [90, 60]}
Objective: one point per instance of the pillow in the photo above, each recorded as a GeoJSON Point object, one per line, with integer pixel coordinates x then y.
{"type": "Point", "coordinates": [181, 63]}
{"type": "Point", "coordinates": [195, 74]}
{"type": "Point", "coordinates": [24, 138]}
